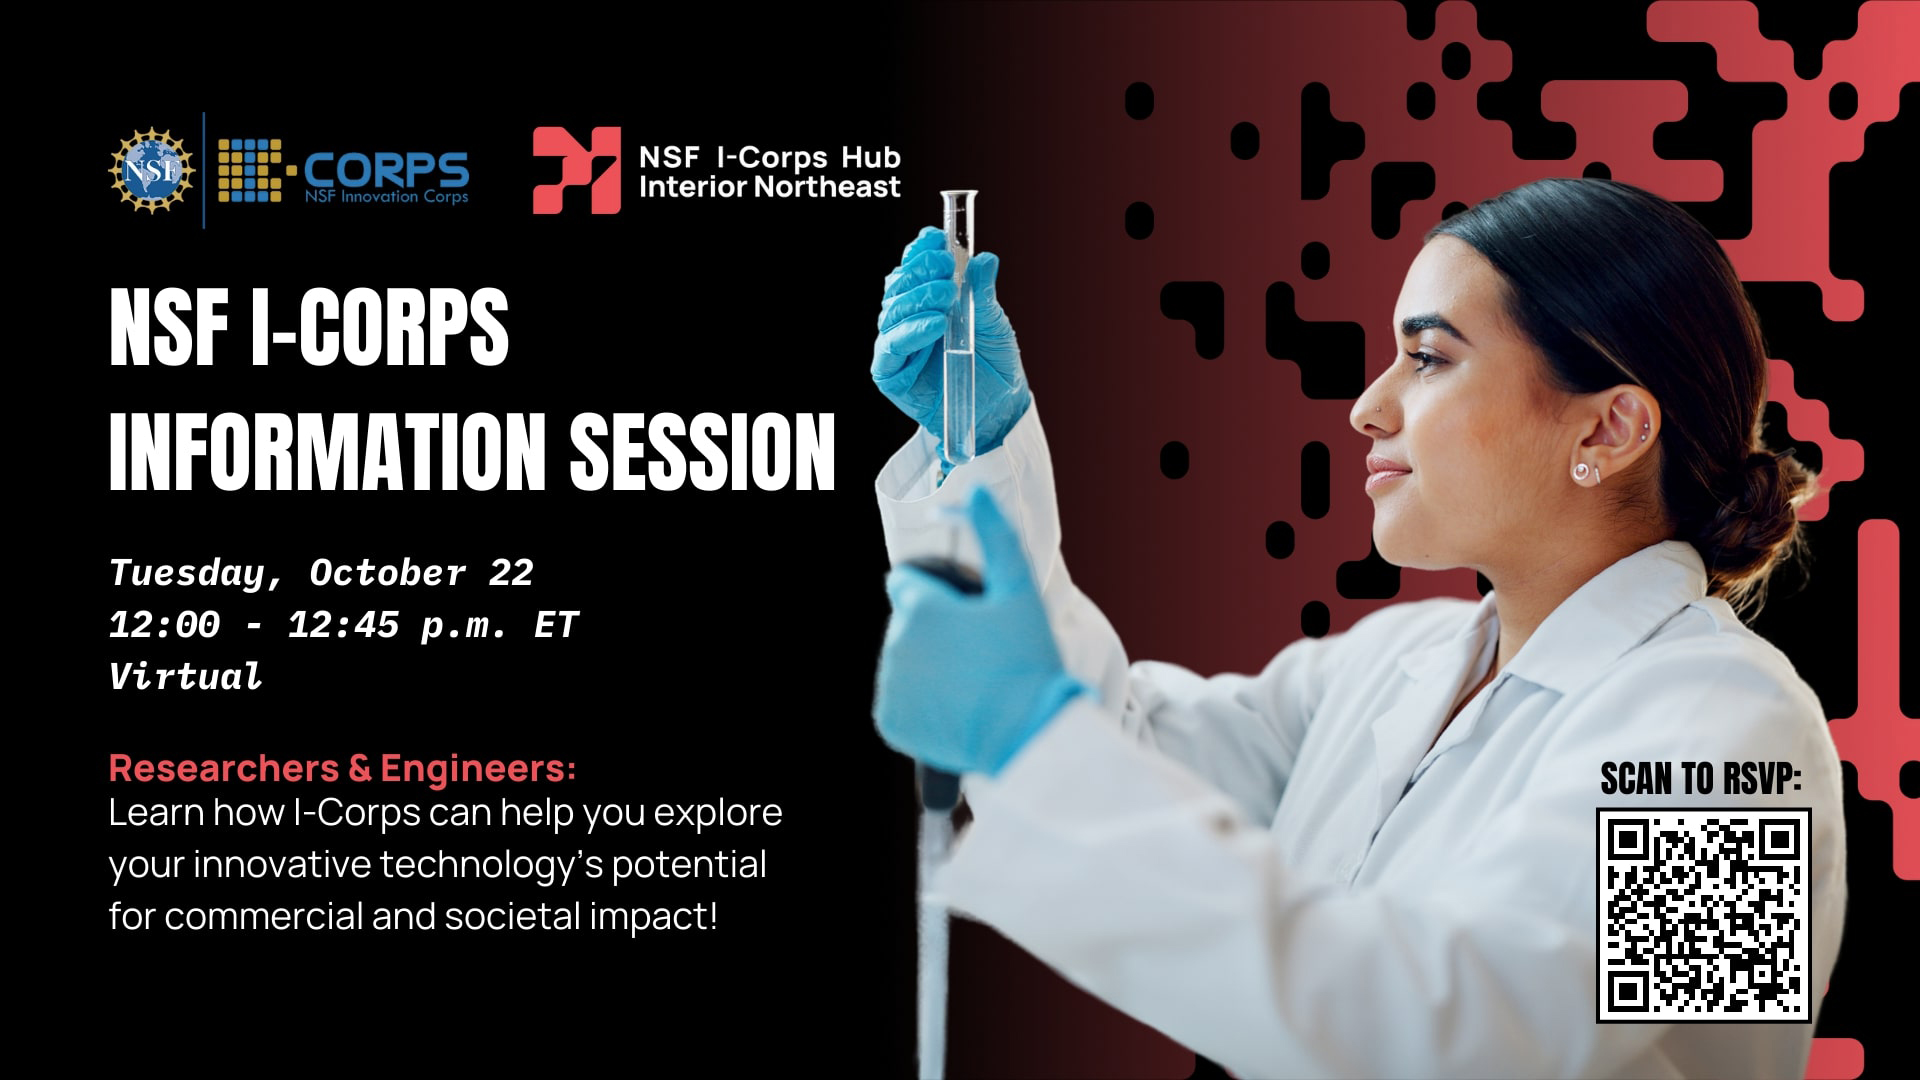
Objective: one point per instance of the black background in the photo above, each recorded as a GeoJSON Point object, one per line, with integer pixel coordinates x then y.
{"type": "Point", "coordinates": [727, 638]}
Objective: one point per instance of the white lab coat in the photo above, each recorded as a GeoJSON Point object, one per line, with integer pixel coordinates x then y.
{"type": "Point", "coordinates": [1231, 859]}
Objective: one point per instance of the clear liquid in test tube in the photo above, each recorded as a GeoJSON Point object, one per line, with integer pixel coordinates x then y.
{"type": "Point", "coordinates": [957, 395]}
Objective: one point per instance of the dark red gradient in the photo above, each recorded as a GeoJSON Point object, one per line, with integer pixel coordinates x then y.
{"type": "Point", "coordinates": [1034, 116]}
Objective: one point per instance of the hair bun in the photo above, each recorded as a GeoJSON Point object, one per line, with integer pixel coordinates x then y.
{"type": "Point", "coordinates": [1757, 523]}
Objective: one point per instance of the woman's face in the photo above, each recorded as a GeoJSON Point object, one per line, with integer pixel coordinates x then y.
{"type": "Point", "coordinates": [1466, 413]}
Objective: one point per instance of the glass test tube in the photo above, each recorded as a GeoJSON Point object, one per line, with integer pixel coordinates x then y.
{"type": "Point", "coordinates": [957, 395]}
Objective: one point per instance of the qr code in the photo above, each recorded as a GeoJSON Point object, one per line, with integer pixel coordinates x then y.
{"type": "Point", "coordinates": [1703, 915]}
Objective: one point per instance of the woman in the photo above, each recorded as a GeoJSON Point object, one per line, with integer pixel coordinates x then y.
{"type": "Point", "coordinates": [1377, 857]}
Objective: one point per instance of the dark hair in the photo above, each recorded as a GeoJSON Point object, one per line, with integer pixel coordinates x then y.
{"type": "Point", "coordinates": [1616, 284]}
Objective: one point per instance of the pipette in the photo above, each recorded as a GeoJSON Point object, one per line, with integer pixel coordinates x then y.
{"type": "Point", "coordinates": [940, 791]}
{"type": "Point", "coordinates": [939, 794]}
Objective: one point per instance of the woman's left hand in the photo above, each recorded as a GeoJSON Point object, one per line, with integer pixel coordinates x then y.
{"type": "Point", "coordinates": [966, 680]}
{"type": "Point", "coordinates": [913, 325]}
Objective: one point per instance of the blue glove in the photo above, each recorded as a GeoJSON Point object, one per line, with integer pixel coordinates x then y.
{"type": "Point", "coordinates": [965, 680]}
{"type": "Point", "coordinates": [907, 359]}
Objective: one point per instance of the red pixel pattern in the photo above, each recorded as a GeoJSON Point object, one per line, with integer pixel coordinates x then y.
{"type": "Point", "coordinates": [1083, 292]}
{"type": "Point", "coordinates": [1840, 459]}
{"type": "Point", "coordinates": [1790, 212]}
{"type": "Point", "coordinates": [1878, 738]}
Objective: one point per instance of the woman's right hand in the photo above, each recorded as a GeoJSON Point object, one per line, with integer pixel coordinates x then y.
{"type": "Point", "coordinates": [913, 321]}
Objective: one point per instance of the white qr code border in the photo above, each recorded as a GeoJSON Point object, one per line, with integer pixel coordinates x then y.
{"type": "Point", "coordinates": [1624, 989]}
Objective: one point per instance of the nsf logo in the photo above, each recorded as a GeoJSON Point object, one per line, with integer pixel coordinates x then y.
{"type": "Point", "coordinates": [151, 170]}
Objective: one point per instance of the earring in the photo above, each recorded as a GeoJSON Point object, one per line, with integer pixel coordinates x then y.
{"type": "Point", "coordinates": [1644, 428]}
{"type": "Point", "coordinates": [1580, 471]}
{"type": "Point", "coordinates": [1596, 475]}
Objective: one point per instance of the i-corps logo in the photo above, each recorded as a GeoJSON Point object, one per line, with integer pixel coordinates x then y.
{"type": "Point", "coordinates": [251, 170]}
{"type": "Point", "coordinates": [151, 170]}
{"type": "Point", "coordinates": [576, 168]}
